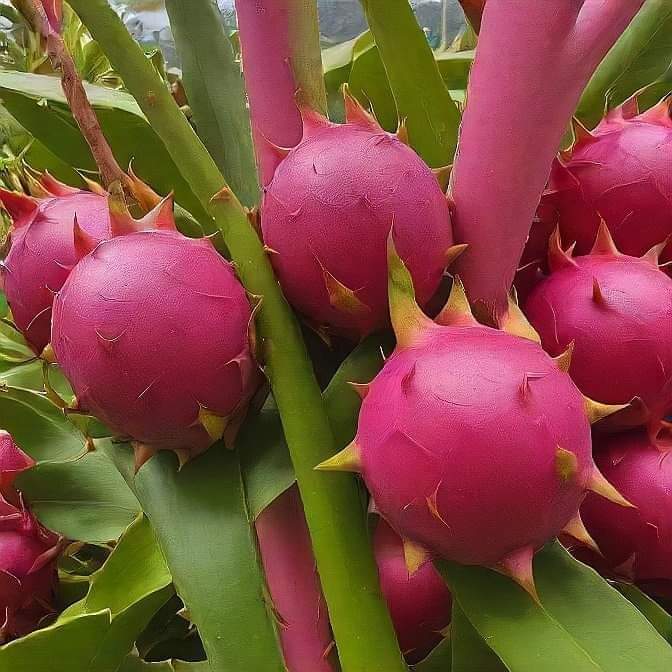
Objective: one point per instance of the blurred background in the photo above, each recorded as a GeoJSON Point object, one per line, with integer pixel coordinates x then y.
{"type": "Point", "coordinates": [340, 20]}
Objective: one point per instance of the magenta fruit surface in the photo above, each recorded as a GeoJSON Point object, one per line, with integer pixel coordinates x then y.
{"type": "Point", "coordinates": [617, 311]}
{"type": "Point", "coordinates": [43, 253]}
{"type": "Point", "coordinates": [151, 330]}
{"type": "Point", "coordinates": [419, 601]}
{"type": "Point", "coordinates": [328, 211]}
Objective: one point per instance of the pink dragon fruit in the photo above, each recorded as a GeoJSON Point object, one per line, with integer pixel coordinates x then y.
{"type": "Point", "coordinates": [619, 173]}
{"type": "Point", "coordinates": [461, 409]}
{"type": "Point", "coordinates": [419, 601]}
{"type": "Point", "coordinates": [617, 311]}
{"type": "Point", "coordinates": [151, 330]}
{"type": "Point", "coordinates": [28, 553]}
{"type": "Point", "coordinates": [636, 544]}
{"type": "Point", "coordinates": [42, 253]}
{"type": "Point", "coordinates": [329, 208]}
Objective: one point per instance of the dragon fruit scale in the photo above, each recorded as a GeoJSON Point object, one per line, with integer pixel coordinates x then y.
{"type": "Point", "coordinates": [419, 601]}
{"type": "Point", "coordinates": [617, 312]}
{"type": "Point", "coordinates": [635, 544]}
{"type": "Point", "coordinates": [329, 208]}
{"type": "Point", "coordinates": [42, 251]}
{"type": "Point", "coordinates": [461, 409]}
{"type": "Point", "coordinates": [620, 174]}
{"type": "Point", "coordinates": [151, 330]}
{"type": "Point", "coordinates": [28, 553]}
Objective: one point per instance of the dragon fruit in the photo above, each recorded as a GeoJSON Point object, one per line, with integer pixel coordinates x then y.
{"type": "Point", "coordinates": [151, 330]}
{"type": "Point", "coordinates": [617, 311]}
{"type": "Point", "coordinates": [419, 601]}
{"type": "Point", "coordinates": [329, 208]}
{"type": "Point", "coordinates": [459, 409]}
{"type": "Point", "coordinates": [619, 173]}
{"type": "Point", "coordinates": [43, 250]}
{"type": "Point", "coordinates": [28, 553]}
{"type": "Point", "coordinates": [636, 544]}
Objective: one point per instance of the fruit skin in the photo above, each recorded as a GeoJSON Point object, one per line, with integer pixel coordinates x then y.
{"type": "Point", "coordinates": [42, 252]}
{"type": "Point", "coordinates": [327, 213]}
{"type": "Point", "coordinates": [461, 409]}
{"type": "Point", "coordinates": [617, 311]}
{"type": "Point", "coordinates": [294, 585]}
{"type": "Point", "coordinates": [446, 418]}
{"type": "Point", "coordinates": [419, 602]}
{"type": "Point", "coordinates": [28, 553]}
{"type": "Point", "coordinates": [151, 330]}
{"type": "Point", "coordinates": [618, 173]}
{"type": "Point", "coordinates": [636, 544]}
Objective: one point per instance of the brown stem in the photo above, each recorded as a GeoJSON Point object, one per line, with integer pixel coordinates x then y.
{"type": "Point", "coordinates": [75, 94]}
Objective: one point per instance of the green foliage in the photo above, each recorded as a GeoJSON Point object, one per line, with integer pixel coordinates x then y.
{"type": "Point", "coordinates": [641, 56]}
{"type": "Point", "coordinates": [38, 103]}
{"type": "Point", "coordinates": [215, 91]}
{"type": "Point", "coordinates": [581, 624]}
{"type": "Point", "coordinates": [98, 632]}
{"type": "Point", "coordinates": [204, 531]}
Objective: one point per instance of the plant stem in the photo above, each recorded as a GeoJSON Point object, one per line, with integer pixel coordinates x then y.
{"type": "Point", "coordinates": [362, 626]}
{"type": "Point", "coordinates": [532, 62]}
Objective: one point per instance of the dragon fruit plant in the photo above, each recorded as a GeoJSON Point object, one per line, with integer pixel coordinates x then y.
{"type": "Point", "coordinates": [28, 552]}
{"type": "Point", "coordinates": [487, 432]}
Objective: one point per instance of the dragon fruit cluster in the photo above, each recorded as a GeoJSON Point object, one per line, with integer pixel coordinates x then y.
{"type": "Point", "coordinates": [28, 553]}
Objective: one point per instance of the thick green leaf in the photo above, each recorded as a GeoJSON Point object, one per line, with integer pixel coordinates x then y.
{"type": "Point", "coordinates": [584, 623]}
{"type": "Point", "coordinates": [521, 633]}
{"type": "Point", "coordinates": [597, 616]}
{"type": "Point", "coordinates": [63, 647]}
{"type": "Point", "coordinates": [39, 427]}
{"type": "Point", "coordinates": [358, 63]}
{"type": "Point", "coordinates": [38, 103]}
{"type": "Point", "coordinates": [469, 652]}
{"type": "Point", "coordinates": [655, 614]}
{"type": "Point", "coordinates": [422, 99]}
{"type": "Point", "coordinates": [641, 55]}
{"type": "Point", "coordinates": [215, 91]}
{"type": "Point", "coordinates": [201, 520]}
{"type": "Point", "coordinates": [87, 499]}
{"type": "Point", "coordinates": [439, 660]}
{"type": "Point", "coordinates": [133, 584]}
{"type": "Point", "coordinates": [135, 664]}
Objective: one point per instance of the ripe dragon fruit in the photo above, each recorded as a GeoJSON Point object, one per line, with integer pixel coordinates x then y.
{"type": "Point", "coordinates": [151, 330]}
{"type": "Point", "coordinates": [619, 173]}
{"type": "Point", "coordinates": [28, 553]}
{"type": "Point", "coordinates": [617, 311]}
{"type": "Point", "coordinates": [419, 601]}
{"type": "Point", "coordinates": [460, 409]}
{"type": "Point", "coordinates": [329, 208]}
{"type": "Point", "coordinates": [636, 544]}
{"type": "Point", "coordinates": [43, 250]}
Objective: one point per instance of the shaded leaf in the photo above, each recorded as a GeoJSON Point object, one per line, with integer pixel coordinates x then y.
{"type": "Point", "coordinates": [87, 499]}
{"type": "Point", "coordinates": [39, 427]}
{"type": "Point", "coordinates": [201, 521]}
{"type": "Point", "coordinates": [439, 660]}
{"type": "Point", "coordinates": [655, 614]}
{"type": "Point", "coordinates": [470, 652]}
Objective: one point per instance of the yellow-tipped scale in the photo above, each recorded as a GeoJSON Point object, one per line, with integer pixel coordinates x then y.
{"type": "Point", "coordinates": [457, 310]}
{"type": "Point", "coordinates": [349, 459]}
